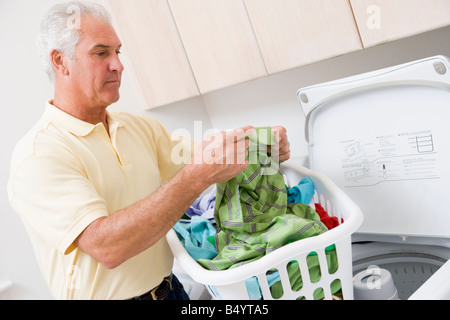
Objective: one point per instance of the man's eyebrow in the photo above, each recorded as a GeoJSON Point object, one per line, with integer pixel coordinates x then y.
{"type": "Point", "coordinates": [104, 46]}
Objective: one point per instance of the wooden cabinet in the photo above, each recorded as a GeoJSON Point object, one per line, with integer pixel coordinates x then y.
{"type": "Point", "coordinates": [381, 21]}
{"type": "Point", "coordinates": [219, 42]}
{"type": "Point", "coordinates": [292, 33]}
{"type": "Point", "coordinates": [177, 49]}
{"type": "Point", "coordinates": [153, 51]}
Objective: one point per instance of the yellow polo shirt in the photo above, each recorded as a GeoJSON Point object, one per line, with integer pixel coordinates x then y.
{"type": "Point", "coordinates": [66, 173]}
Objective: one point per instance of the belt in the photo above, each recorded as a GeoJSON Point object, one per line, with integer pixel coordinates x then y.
{"type": "Point", "coordinates": [160, 292]}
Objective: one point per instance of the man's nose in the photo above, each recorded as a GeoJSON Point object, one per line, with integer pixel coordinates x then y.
{"type": "Point", "coordinates": [116, 64]}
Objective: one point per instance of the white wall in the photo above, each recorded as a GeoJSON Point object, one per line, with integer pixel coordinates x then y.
{"type": "Point", "coordinates": [24, 89]}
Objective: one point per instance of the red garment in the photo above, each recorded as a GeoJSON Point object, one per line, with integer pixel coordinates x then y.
{"type": "Point", "coordinates": [329, 222]}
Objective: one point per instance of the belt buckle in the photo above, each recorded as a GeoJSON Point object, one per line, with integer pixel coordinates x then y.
{"type": "Point", "coordinates": [153, 291]}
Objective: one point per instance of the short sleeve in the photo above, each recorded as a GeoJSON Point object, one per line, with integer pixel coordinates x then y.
{"type": "Point", "coordinates": [54, 198]}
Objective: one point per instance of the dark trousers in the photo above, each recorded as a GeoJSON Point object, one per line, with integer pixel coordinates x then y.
{"type": "Point", "coordinates": [170, 289]}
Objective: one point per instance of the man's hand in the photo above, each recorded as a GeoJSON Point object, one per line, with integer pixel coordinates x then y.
{"type": "Point", "coordinates": [282, 148]}
{"type": "Point", "coordinates": [222, 156]}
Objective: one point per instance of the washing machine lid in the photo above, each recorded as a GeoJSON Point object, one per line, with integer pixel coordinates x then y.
{"type": "Point", "coordinates": [384, 138]}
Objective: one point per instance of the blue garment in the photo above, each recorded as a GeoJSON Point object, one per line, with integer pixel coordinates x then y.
{"type": "Point", "coordinates": [204, 206]}
{"type": "Point", "coordinates": [253, 288]}
{"type": "Point", "coordinates": [301, 193]}
{"type": "Point", "coordinates": [194, 236]}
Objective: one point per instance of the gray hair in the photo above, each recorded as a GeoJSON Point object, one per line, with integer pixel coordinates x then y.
{"type": "Point", "coordinates": [60, 30]}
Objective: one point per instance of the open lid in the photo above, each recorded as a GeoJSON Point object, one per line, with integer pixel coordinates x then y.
{"type": "Point", "coordinates": [384, 138]}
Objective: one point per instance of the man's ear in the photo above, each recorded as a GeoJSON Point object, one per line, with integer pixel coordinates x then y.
{"type": "Point", "coordinates": [57, 58]}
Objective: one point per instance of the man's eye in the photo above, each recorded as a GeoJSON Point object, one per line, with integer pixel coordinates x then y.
{"type": "Point", "coordinates": [100, 54]}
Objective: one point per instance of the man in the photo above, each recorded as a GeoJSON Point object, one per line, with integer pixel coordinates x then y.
{"type": "Point", "coordinates": [97, 191]}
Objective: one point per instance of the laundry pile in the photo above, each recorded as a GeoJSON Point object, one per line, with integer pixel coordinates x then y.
{"type": "Point", "coordinates": [253, 214]}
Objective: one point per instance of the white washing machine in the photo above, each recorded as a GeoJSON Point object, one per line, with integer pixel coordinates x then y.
{"type": "Point", "coordinates": [384, 138]}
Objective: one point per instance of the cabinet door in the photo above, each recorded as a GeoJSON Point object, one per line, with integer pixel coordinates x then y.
{"type": "Point", "coordinates": [219, 42]}
{"type": "Point", "coordinates": [381, 21]}
{"type": "Point", "coordinates": [293, 33]}
{"type": "Point", "coordinates": [153, 51]}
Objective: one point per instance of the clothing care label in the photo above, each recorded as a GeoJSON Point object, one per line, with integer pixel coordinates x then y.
{"type": "Point", "coordinates": [368, 161]}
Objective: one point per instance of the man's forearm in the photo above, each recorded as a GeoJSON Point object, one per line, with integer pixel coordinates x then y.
{"type": "Point", "coordinates": [114, 239]}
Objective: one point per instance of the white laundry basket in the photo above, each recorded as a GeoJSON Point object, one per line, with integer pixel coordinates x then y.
{"type": "Point", "coordinates": [231, 284]}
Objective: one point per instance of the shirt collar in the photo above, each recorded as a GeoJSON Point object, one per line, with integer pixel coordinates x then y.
{"type": "Point", "coordinates": [74, 125]}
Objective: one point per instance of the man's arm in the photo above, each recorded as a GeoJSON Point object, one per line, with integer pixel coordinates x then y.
{"type": "Point", "coordinates": [114, 239]}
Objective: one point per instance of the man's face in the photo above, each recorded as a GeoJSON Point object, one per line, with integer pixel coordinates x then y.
{"type": "Point", "coordinates": [96, 70]}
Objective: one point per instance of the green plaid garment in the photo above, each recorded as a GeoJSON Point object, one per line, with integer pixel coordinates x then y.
{"type": "Point", "coordinates": [252, 212]}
